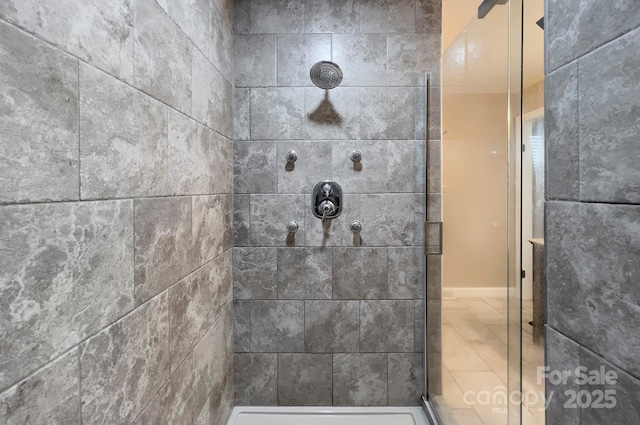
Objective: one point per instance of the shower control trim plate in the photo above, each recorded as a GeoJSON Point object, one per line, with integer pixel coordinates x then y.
{"type": "Point", "coordinates": [326, 200]}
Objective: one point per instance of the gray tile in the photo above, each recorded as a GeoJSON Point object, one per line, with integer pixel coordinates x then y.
{"type": "Point", "coordinates": [241, 326]}
{"type": "Point", "coordinates": [254, 167]}
{"type": "Point", "coordinates": [195, 303]}
{"type": "Point", "coordinates": [360, 273]}
{"type": "Point", "coordinates": [67, 272]}
{"type": "Point", "coordinates": [434, 326]}
{"type": "Point", "coordinates": [313, 165]}
{"type": "Point", "coordinates": [387, 113]}
{"type": "Point", "coordinates": [242, 16]}
{"type": "Point", "coordinates": [370, 175]}
{"type": "Point", "coordinates": [304, 273]}
{"type": "Point", "coordinates": [270, 215]}
{"type": "Point", "coordinates": [420, 200]}
{"type": "Point", "coordinates": [362, 58]}
{"type": "Point", "coordinates": [255, 273]}
{"type": "Point", "coordinates": [286, 16]}
{"type": "Point", "coordinates": [277, 326]}
{"type": "Point", "coordinates": [220, 163]}
{"type": "Point", "coordinates": [406, 379]}
{"type": "Point", "coordinates": [305, 379]}
{"type": "Point", "coordinates": [255, 60]}
{"type": "Point", "coordinates": [434, 166]}
{"type": "Point", "coordinates": [59, 23]}
{"type": "Point", "coordinates": [434, 113]}
{"type": "Point", "coordinates": [625, 393]}
{"type": "Point", "coordinates": [125, 365]}
{"type": "Point", "coordinates": [359, 379]}
{"type": "Point", "coordinates": [405, 162]}
{"type": "Point", "coordinates": [222, 403]}
{"type": "Point", "coordinates": [387, 16]}
{"type": "Point", "coordinates": [241, 114]}
{"type": "Point", "coordinates": [429, 16]}
{"type": "Point", "coordinates": [561, 354]}
{"type": "Point", "coordinates": [277, 113]}
{"type": "Point", "coordinates": [609, 140]}
{"type": "Point", "coordinates": [418, 333]}
{"type": "Point", "coordinates": [387, 326]}
{"type": "Point", "coordinates": [256, 379]}
{"type": "Point", "coordinates": [334, 232]}
{"type": "Point", "coordinates": [331, 16]}
{"type": "Point", "coordinates": [212, 226]}
{"type": "Point", "coordinates": [562, 135]}
{"type": "Point", "coordinates": [162, 72]}
{"type": "Point", "coordinates": [388, 219]}
{"type": "Point", "coordinates": [51, 396]}
{"type": "Point", "coordinates": [221, 42]}
{"type": "Point", "coordinates": [296, 54]}
{"type": "Point", "coordinates": [212, 98]}
{"type": "Point", "coordinates": [434, 276]}
{"type": "Point", "coordinates": [241, 220]}
{"type": "Point", "coordinates": [411, 56]}
{"type": "Point", "coordinates": [573, 29]}
{"type": "Point", "coordinates": [406, 278]}
{"type": "Point", "coordinates": [123, 143]}
{"type": "Point", "coordinates": [188, 156]}
{"type": "Point", "coordinates": [204, 417]}
{"type": "Point", "coordinates": [593, 257]}
{"type": "Point", "coordinates": [173, 404]}
{"type": "Point", "coordinates": [331, 326]}
{"type": "Point", "coordinates": [333, 114]}
{"type": "Point", "coordinates": [39, 122]}
{"type": "Point", "coordinates": [163, 245]}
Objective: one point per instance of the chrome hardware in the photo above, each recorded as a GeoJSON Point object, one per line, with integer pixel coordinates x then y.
{"type": "Point", "coordinates": [355, 156]}
{"type": "Point", "coordinates": [326, 200]}
{"type": "Point", "coordinates": [292, 157]}
{"type": "Point", "coordinates": [292, 227]}
{"type": "Point", "coordinates": [356, 227]}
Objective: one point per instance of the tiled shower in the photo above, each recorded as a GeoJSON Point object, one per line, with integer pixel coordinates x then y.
{"type": "Point", "coordinates": [324, 316]}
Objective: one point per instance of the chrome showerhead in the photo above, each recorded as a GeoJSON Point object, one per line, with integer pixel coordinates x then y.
{"type": "Point", "coordinates": [326, 75]}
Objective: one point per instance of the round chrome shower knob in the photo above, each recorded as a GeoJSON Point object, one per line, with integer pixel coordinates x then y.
{"type": "Point", "coordinates": [356, 227]}
{"type": "Point", "coordinates": [355, 156]}
{"type": "Point", "coordinates": [292, 227]}
{"type": "Point", "coordinates": [292, 156]}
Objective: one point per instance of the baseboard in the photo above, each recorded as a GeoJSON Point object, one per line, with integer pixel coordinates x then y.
{"type": "Point", "coordinates": [490, 292]}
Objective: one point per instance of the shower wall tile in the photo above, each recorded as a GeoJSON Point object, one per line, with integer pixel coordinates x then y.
{"type": "Point", "coordinates": [595, 257]}
{"type": "Point", "coordinates": [387, 113]}
{"type": "Point", "coordinates": [112, 51]}
{"type": "Point", "coordinates": [51, 395]}
{"type": "Point", "coordinates": [387, 326]}
{"type": "Point", "coordinates": [313, 165]}
{"type": "Point", "coordinates": [362, 58]}
{"type": "Point", "coordinates": [241, 17]}
{"type": "Point", "coordinates": [305, 379]}
{"type": "Point", "coordinates": [269, 219]}
{"type": "Point", "coordinates": [286, 16]}
{"type": "Point", "coordinates": [561, 354]}
{"type": "Point", "coordinates": [434, 165]}
{"type": "Point", "coordinates": [370, 175]}
{"type": "Point", "coordinates": [332, 114]}
{"type": "Point", "coordinates": [405, 170]}
{"type": "Point", "coordinates": [277, 326]}
{"type": "Point", "coordinates": [254, 166]}
{"type": "Point", "coordinates": [609, 141]}
{"type": "Point", "coordinates": [406, 379]}
{"type": "Point", "coordinates": [162, 73]}
{"type": "Point", "coordinates": [335, 232]}
{"type": "Point", "coordinates": [212, 226]}
{"type": "Point", "coordinates": [434, 322]}
{"type": "Point", "coordinates": [241, 113]}
{"type": "Point", "coordinates": [127, 362]}
{"type": "Point", "coordinates": [163, 244]}
{"type": "Point", "coordinates": [360, 273]}
{"type": "Point", "coordinates": [406, 272]}
{"type": "Point", "coordinates": [212, 98]}
{"type": "Point", "coordinates": [360, 379]}
{"type": "Point", "coordinates": [220, 49]}
{"type": "Point", "coordinates": [220, 160]}
{"type": "Point", "coordinates": [255, 273]}
{"type": "Point", "coordinates": [388, 219]}
{"type": "Point", "coordinates": [429, 16]}
{"type": "Point", "coordinates": [434, 277]}
{"type": "Point", "coordinates": [241, 326]}
{"type": "Point", "coordinates": [562, 135]}
{"type": "Point", "coordinates": [304, 273]}
{"type": "Point", "coordinates": [222, 406]}
{"type": "Point", "coordinates": [576, 29]}
{"type": "Point", "coordinates": [387, 16]}
{"type": "Point", "coordinates": [71, 298]}
{"type": "Point", "coordinates": [39, 123]}
{"type": "Point", "coordinates": [418, 334]}
{"type": "Point", "coordinates": [204, 417]}
{"type": "Point", "coordinates": [410, 57]}
{"type": "Point", "coordinates": [331, 326]}
{"type": "Point", "coordinates": [123, 143]}
{"type": "Point", "coordinates": [255, 60]}
{"type": "Point", "coordinates": [296, 54]}
{"type": "Point", "coordinates": [331, 16]}
{"type": "Point", "coordinates": [434, 113]}
{"type": "Point", "coordinates": [256, 382]}
{"type": "Point", "coordinates": [188, 155]}
{"type": "Point", "coordinates": [241, 219]}
{"type": "Point", "coordinates": [277, 113]}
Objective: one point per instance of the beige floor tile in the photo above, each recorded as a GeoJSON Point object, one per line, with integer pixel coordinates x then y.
{"type": "Point", "coordinates": [495, 355]}
{"type": "Point", "coordinates": [470, 328]}
{"type": "Point", "coordinates": [457, 354]}
{"type": "Point", "coordinates": [460, 417]}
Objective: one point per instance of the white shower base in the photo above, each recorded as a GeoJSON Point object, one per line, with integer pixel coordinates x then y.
{"type": "Point", "coordinates": [327, 416]}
